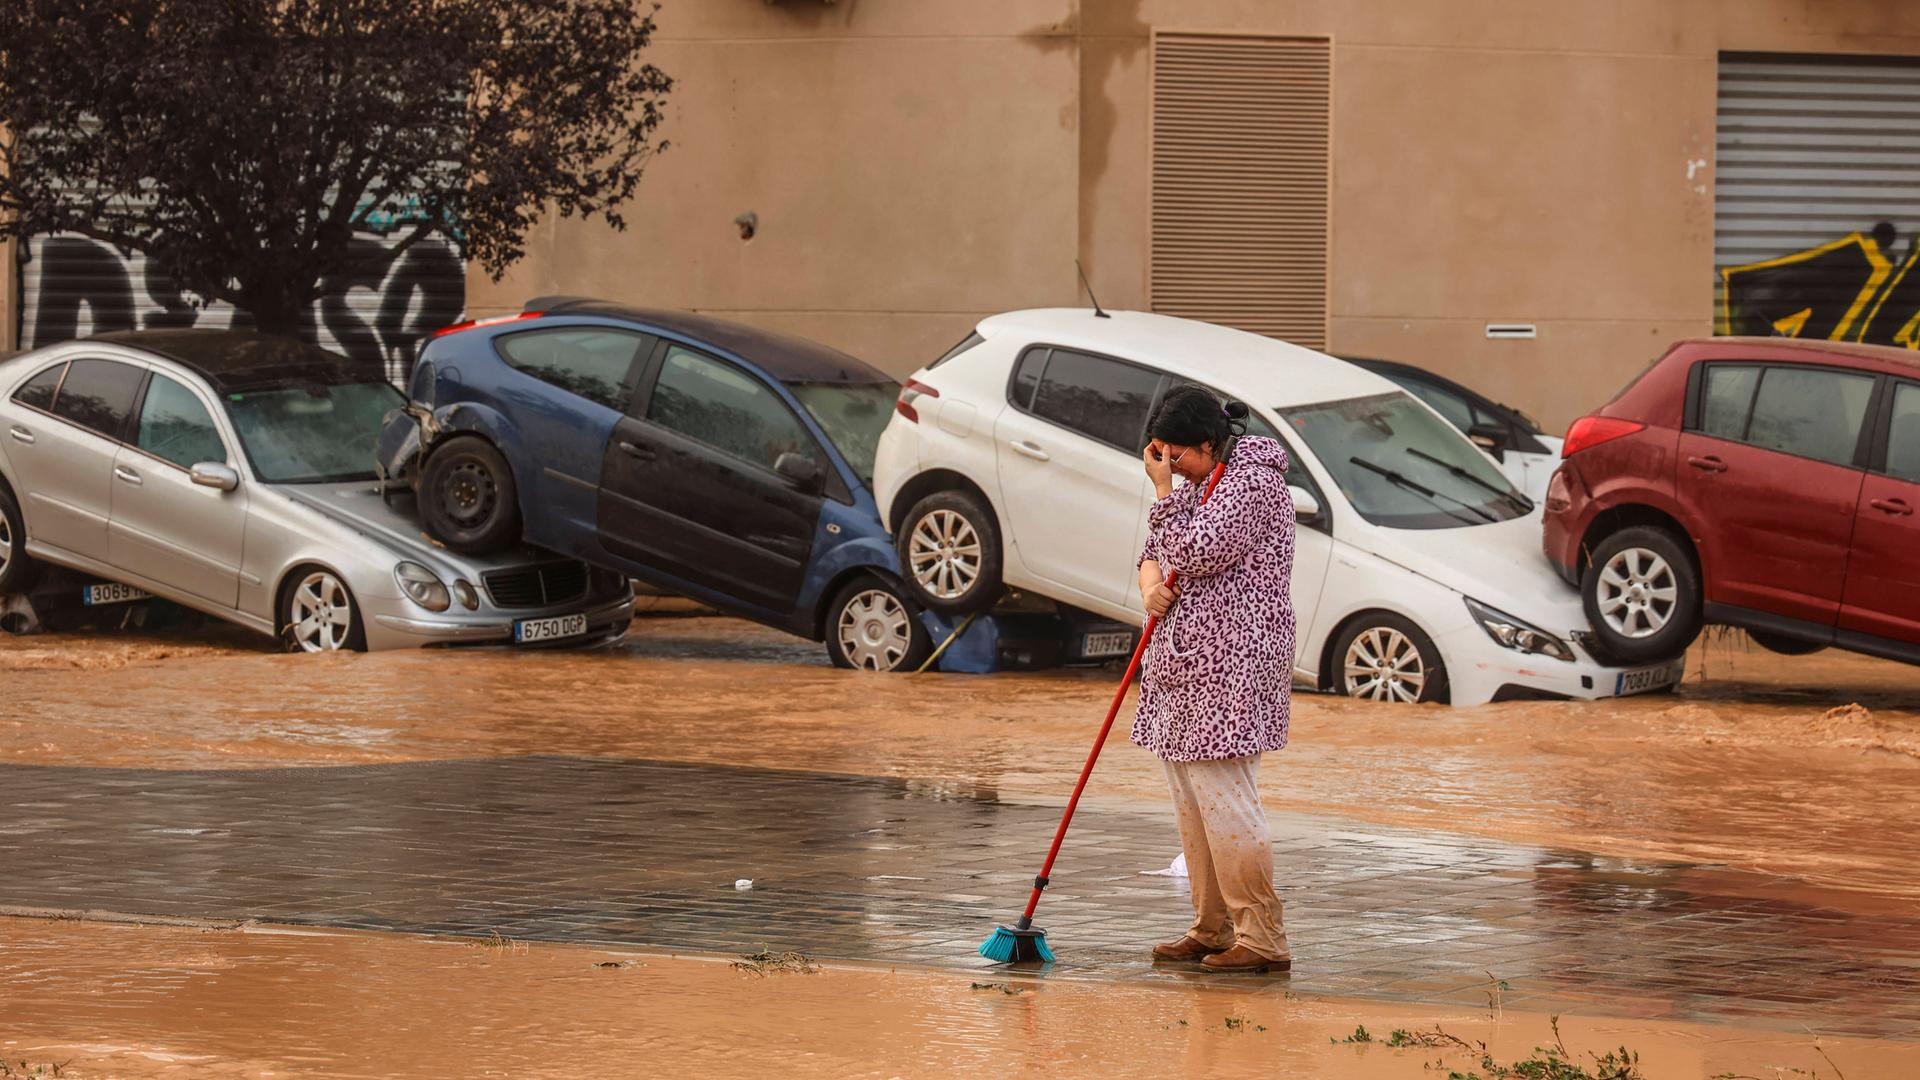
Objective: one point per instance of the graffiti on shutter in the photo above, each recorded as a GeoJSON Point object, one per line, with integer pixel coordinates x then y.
{"type": "Point", "coordinates": [72, 286]}
{"type": "Point", "coordinates": [1817, 198]}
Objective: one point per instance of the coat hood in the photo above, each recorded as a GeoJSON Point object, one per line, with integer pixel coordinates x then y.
{"type": "Point", "coordinates": [1258, 450]}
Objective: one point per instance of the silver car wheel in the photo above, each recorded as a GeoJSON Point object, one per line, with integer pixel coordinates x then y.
{"type": "Point", "coordinates": [1384, 664]}
{"type": "Point", "coordinates": [875, 630]}
{"type": "Point", "coordinates": [945, 554]}
{"type": "Point", "coordinates": [1637, 593]}
{"type": "Point", "coordinates": [321, 613]}
{"type": "Point", "coordinates": [6, 543]}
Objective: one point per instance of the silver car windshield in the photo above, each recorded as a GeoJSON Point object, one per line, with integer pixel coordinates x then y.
{"type": "Point", "coordinates": [853, 415]}
{"type": "Point", "coordinates": [312, 434]}
{"type": "Point", "coordinates": [1403, 467]}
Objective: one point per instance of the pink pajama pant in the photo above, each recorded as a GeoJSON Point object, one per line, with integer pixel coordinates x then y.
{"type": "Point", "coordinates": [1223, 829]}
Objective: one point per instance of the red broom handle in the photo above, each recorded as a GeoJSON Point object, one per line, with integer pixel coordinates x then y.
{"type": "Point", "coordinates": [1113, 710]}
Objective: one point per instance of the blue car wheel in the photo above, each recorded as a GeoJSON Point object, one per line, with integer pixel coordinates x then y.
{"type": "Point", "coordinates": [467, 496]}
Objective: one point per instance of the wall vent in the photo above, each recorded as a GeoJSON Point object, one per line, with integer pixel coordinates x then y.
{"type": "Point", "coordinates": [1240, 182]}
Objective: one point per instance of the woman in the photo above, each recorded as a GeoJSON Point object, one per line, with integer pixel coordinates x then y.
{"type": "Point", "coordinates": [1215, 686]}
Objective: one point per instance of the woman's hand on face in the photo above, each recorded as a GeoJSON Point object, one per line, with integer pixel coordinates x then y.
{"type": "Point", "coordinates": [1160, 598]}
{"type": "Point", "coordinates": [1159, 466]}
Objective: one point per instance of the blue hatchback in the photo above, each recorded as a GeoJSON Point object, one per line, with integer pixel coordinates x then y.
{"type": "Point", "coordinates": [718, 461]}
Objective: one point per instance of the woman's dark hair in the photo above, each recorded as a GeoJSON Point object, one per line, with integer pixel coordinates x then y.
{"type": "Point", "coordinates": [1190, 415]}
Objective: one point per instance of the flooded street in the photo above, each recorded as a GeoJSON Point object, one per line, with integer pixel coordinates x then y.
{"type": "Point", "coordinates": [109, 1000]}
{"type": "Point", "coordinates": [1803, 767]}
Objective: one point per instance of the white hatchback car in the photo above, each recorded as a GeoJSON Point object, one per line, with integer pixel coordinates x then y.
{"type": "Point", "coordinates": [1014, 460]}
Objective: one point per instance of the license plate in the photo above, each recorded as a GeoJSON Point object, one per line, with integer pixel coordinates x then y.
{"type": "Point", "coordinates": [1113, 644]}
{"type": "Point", "coordinates": [527, 631]}
{"type": "Point", "coordinates": [1641, 680]}
{"type": "Point", "coordinates": [112, 593]}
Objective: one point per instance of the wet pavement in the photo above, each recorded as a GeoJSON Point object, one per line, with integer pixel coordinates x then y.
{"type": "Point", "coordinates": [916, 872]}
{"type": "Point", "coordinates": [1802, 768]}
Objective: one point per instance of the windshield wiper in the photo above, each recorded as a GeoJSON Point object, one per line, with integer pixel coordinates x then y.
{"type": "Point", "coordinates": [1514, 497]}
{"type": "Point", "coordinates": [1405, 481]}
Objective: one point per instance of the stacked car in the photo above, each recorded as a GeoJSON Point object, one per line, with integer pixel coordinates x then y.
{"type": "Point", "coordinates": [541, 460]}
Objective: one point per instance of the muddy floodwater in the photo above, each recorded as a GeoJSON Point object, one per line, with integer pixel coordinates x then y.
{"type": "Point", "coordinates": [111, 1000]}
{"type": "Point", "coordinates": [1805, 767]}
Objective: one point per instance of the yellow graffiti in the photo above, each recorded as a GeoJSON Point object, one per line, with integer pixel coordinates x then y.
{"type": "Point", "coordinates": [1792, 324]}
{"type": "Point", "coordinates": [1908, 335]}
{"type": "Point", "coordinates": [1880, 264]}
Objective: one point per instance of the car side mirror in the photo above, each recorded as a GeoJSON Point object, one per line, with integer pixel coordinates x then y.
{"type": "Point", "coordinates": [215, 474]}
{"type": "Point", "coordinates": [801, 471]}
{"type": "Point", "coordinates": [1305, 506]}
{"type": "Point", "coordinates": [1490, 437]}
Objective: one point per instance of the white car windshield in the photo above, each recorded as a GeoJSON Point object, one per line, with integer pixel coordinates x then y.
{"type": "Point", "coordinates": [1403, 467]}
{"type": "Point", "coordinates": [313, 434]}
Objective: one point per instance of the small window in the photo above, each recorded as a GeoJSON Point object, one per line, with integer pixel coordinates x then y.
{"type": "Point", "coordinates": [726, 408]}
{"type": "Point", "coordinates": [970, 341]}
{"type": "Point", "coordinates": [1809, 412]}
{"type": "Point", "coordinates": [1102, 399]}
{"type": "Point", "coordinates": [38, 391]}
{"type": "Point", "coordinates": [1728, 400]}
{"type": "Point", "coordinates": [176, 427]}
{"type": "Point", "coordinates": [593, 363]}
{"type": "Point", "coordinates": [1903, 437]}
{"type": "Point", "coordinates": [1026, 377]}
{"type": "Point", "coordinates": [98, 394]}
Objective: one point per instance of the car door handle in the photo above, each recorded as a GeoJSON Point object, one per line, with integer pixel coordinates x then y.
{"type": "Point", "coordinates": [1898, 507]}
{"type": "Point", "coordinates": [1029, 448]}
{"type": "Point", "coordinates": [633, 450]}
{"type": "Point", "coordinates": [127, 474]}
{"type": "Point", "coordinates": [21, 434]}
{"type": "Point", "coordinates": [1708, 463]}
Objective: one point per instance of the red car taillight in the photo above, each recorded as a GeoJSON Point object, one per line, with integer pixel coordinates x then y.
{"type": "Point", "coordinates": [1591, 431]}
{"type": "Point", "coordinates": [913, 391]}
{"type": "Point", "coordinates": [473, 323]}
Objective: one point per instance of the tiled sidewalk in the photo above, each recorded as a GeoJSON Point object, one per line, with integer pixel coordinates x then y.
{"type": "Point", "coordinates": [647, 853]}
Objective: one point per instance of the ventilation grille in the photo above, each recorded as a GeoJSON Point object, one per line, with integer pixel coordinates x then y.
{"type": "Point", "coordinates": [1240, 182]}
{"type": "Point", "coordinates": [537, 586]}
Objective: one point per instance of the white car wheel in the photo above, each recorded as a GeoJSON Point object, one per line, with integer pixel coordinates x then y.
{"type": "Point", "coordinates": [1382, 656]}
{"type": "Point", "coordinates": [320, 616]}
{"type": "Point", "coordinates": [1384, 665]}
{"type": "Point", "coordinates": [945, 554]}
{"type": "Point", "coordinates": [6, 544]}
{"type": "Point", "coordinates": [1637, 592]}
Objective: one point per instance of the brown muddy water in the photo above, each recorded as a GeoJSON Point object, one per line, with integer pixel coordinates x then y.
{"type": "Point", "coordinates": [1807, 767]}
{"type": "Point", "coordinates": [266, 1001]}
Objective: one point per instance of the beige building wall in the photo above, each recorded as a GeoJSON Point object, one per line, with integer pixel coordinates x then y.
{"type": "Point", "coordinates": [915, 165]}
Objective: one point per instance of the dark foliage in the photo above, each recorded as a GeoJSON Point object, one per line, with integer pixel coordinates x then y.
{"type": "Point", "coordinates": [242, 143]}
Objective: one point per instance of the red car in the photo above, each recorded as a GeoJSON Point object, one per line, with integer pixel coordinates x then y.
{"type": "Point", "coordinates": [1764, 483]}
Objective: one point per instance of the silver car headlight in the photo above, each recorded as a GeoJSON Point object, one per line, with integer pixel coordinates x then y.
{"type": "Point", "coordinates": [422, 586]}
{"type": "Point", "coordinates": [1514, 634]}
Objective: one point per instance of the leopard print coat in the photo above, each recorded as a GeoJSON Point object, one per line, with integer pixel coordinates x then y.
{"type": "Point", "coordinates": [1217, 678]}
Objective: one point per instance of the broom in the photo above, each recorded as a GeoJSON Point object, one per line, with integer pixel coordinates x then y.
{"type": "Point", "coordinates": [1024, 942]}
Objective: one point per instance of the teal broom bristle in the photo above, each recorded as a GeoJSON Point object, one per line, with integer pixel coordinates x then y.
{"type": "Point", "coordinates": [1008, 946]}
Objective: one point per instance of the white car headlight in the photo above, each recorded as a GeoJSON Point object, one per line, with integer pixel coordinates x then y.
{"type": "Point", "coordinates": [422, 586]}
{"type": "Point", "coordinates": [1514, 634]}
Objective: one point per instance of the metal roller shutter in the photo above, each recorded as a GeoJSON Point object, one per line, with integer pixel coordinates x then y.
{"type": "Point", "coordinates": [1240, 160]}
{"type": "Point", "coordinates": [1817, 198]}
{"type": "Point", "coordinates": [71, 286]}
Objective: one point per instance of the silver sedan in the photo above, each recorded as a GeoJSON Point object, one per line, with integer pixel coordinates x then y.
{"type": "Point", "coordinates": [234, 474]}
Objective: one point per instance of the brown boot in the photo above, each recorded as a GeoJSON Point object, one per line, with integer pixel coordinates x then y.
{"type": "Point", "coordinates": [1184, 949]}
{"type": "Point", "coordinates": [1241, 959]}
